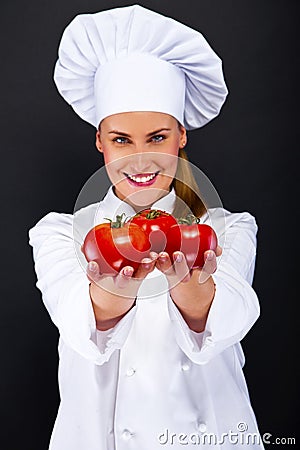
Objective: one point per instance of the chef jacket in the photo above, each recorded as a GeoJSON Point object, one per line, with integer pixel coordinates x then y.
{"type": "Point", "coordinates": [150, 382]}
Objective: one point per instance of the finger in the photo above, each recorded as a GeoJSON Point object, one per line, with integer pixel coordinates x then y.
{"type": "Point", "coordinates": [146, 266]}
{"type": "Point", "coordinates": [94, 275]}
{"type": "Point", "coordinates": [181, 267]}
{"type": "Point", "coordinates": [153, 256]}
{"type": "Point", "coordinates": [210, 262]}
{"type": "Point", "coordinates": [123, 277]}
{"type": "Point", "coordinates": [164, 264]}
{"type": "Point", "coordinates": [92, 272]}
{"type": "Point", "coordinates": [219, 251]}
{"type": "Point", "coordinates": [210, 266]}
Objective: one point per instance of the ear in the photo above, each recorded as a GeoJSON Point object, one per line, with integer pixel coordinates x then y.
{"type": "Point", "coordinates": [98, 142]}
{"type": "Point", "coordinates": [183, 136]}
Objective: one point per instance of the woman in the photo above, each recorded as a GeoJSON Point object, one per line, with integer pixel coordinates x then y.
{"type": "Point", "coordinates": [149, 358]}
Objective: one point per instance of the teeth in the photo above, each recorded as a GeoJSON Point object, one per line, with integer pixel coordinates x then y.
{"type": "Point", "coordinates": [142, 179]}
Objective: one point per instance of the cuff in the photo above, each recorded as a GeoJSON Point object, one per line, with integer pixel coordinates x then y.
{"type": "Point", "coordinates": [113, 339]}
{"type": "Point", "coordinates": [77, 325]}
{"type": "Point", "coordinates": [233, 311]}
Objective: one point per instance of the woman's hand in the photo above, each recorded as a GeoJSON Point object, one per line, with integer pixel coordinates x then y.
{"type": "Point", "coordinates": [114, 296]}
{"type": "Point", "coordinates": [192, 291]}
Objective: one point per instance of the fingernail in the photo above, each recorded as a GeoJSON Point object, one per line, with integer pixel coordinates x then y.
{"type": "Point", "coordinates": [178, 257]}
{"type": "Point", "coordinates": [210, 256]}
{"type": "Point", "coordinates": [146, 260]}
{"type": "Point", "coordinates": [163, 256]}
{"type": "Point", "coordinates": [127, 272]}
{"type": "Point", "coordinates": [92, 266]}
{"type": "Point", "coordinates": [146, 263]}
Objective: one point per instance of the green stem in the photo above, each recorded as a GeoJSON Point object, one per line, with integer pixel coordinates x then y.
{"type": "Point", "coordinates": [190, 219]}
{"type": "Point", "coordinates": [153, 214]}
{"type": "Point", "coordinates": [119, 222]}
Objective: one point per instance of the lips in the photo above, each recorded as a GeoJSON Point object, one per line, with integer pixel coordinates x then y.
{"type": "Point", "coordinates": [141, 179]}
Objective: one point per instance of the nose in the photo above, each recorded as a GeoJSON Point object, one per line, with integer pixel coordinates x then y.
{"type": "Point", "coordinates": [141, 161]}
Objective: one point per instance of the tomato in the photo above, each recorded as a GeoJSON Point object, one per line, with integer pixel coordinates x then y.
{"type": "Point", "coordinates": [193, 239]}
{"type": "Point", "coordinates": [155, 223]}
{"type": "Point", "coordinates": [115, 245]}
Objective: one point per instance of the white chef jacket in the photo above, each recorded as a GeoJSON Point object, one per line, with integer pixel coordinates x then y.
{"type": "Point", "coordinates": [149, 382]}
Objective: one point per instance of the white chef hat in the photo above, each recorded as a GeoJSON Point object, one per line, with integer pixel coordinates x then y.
{"type": "Point", "coordinates": [133, 59]}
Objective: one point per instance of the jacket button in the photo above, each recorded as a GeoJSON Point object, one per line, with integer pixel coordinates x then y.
{"type": "Point", "coordinates": [202, 427]}
{"type": "Point", "coordinates": [126, 435]}
{"type": "Point", "coordinates": [131, 371]}
{"type": "Point", "coordinates": [185, 367]}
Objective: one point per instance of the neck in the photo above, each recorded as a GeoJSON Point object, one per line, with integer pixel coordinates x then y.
{"type": "Point", "coordinates": [138, 208]}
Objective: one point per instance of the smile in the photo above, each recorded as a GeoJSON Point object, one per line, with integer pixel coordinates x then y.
{"type": "Point", "coordinates": [142, 179]}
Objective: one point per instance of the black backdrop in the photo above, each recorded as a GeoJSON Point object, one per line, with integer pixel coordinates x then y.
{"type": "Point", "coordinates": [48, 153]}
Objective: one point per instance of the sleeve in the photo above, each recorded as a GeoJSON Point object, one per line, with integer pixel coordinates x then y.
{"type": "Point", "coordinates": [64, 286]}
{"type": "Point", "coordinates": [235, 307]}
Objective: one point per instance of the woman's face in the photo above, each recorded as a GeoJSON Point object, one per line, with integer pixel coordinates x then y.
{"type": "Point", "coordinates": [140, 152]}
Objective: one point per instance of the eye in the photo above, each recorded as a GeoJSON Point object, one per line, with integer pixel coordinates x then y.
{"type": "Point", "coordinates": [158, 138]}
{"type": "Point", "coordinates": [120, 140]}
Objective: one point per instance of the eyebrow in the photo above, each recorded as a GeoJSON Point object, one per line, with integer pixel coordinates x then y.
{"type": "Point", "coordinates": [122, 133]}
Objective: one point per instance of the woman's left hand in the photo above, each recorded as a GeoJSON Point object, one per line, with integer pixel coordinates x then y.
{"type": "Point", "coordinates": [191, 290]}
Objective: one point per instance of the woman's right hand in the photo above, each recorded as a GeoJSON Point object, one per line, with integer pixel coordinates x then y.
{"type": "Point", "coordinates": [114, 296]}
{"type": "Point", "coordinates": [125, 283]}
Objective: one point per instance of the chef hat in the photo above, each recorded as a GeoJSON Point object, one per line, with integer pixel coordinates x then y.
{"type": "Point", "coordinates": [133, 59]}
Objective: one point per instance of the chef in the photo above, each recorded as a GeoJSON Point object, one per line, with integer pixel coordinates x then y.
{"type": "Point", "coordinates": [146, 364]}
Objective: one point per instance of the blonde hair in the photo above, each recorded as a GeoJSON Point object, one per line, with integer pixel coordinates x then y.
{"type": "Point", "coordinates": [188, 198]}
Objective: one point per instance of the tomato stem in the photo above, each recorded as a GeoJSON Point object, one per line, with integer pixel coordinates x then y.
{"type": "Point", "coordinates": [189, 219]}
{"type": "Point", "coordinates": [119, 222]}
{"type": "Point", "coordinates": [153, 214]}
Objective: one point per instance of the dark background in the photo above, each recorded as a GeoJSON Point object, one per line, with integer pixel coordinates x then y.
{"type": "Point", "coordinates": [48, 153]}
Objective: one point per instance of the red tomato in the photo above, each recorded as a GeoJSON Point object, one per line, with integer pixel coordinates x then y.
{"type": "Point", "coordinates": [155, 223]}
{"type": "Point", "coordinates": [193, 240]}
{"type": "Point", "coordinates": [116, 245]}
